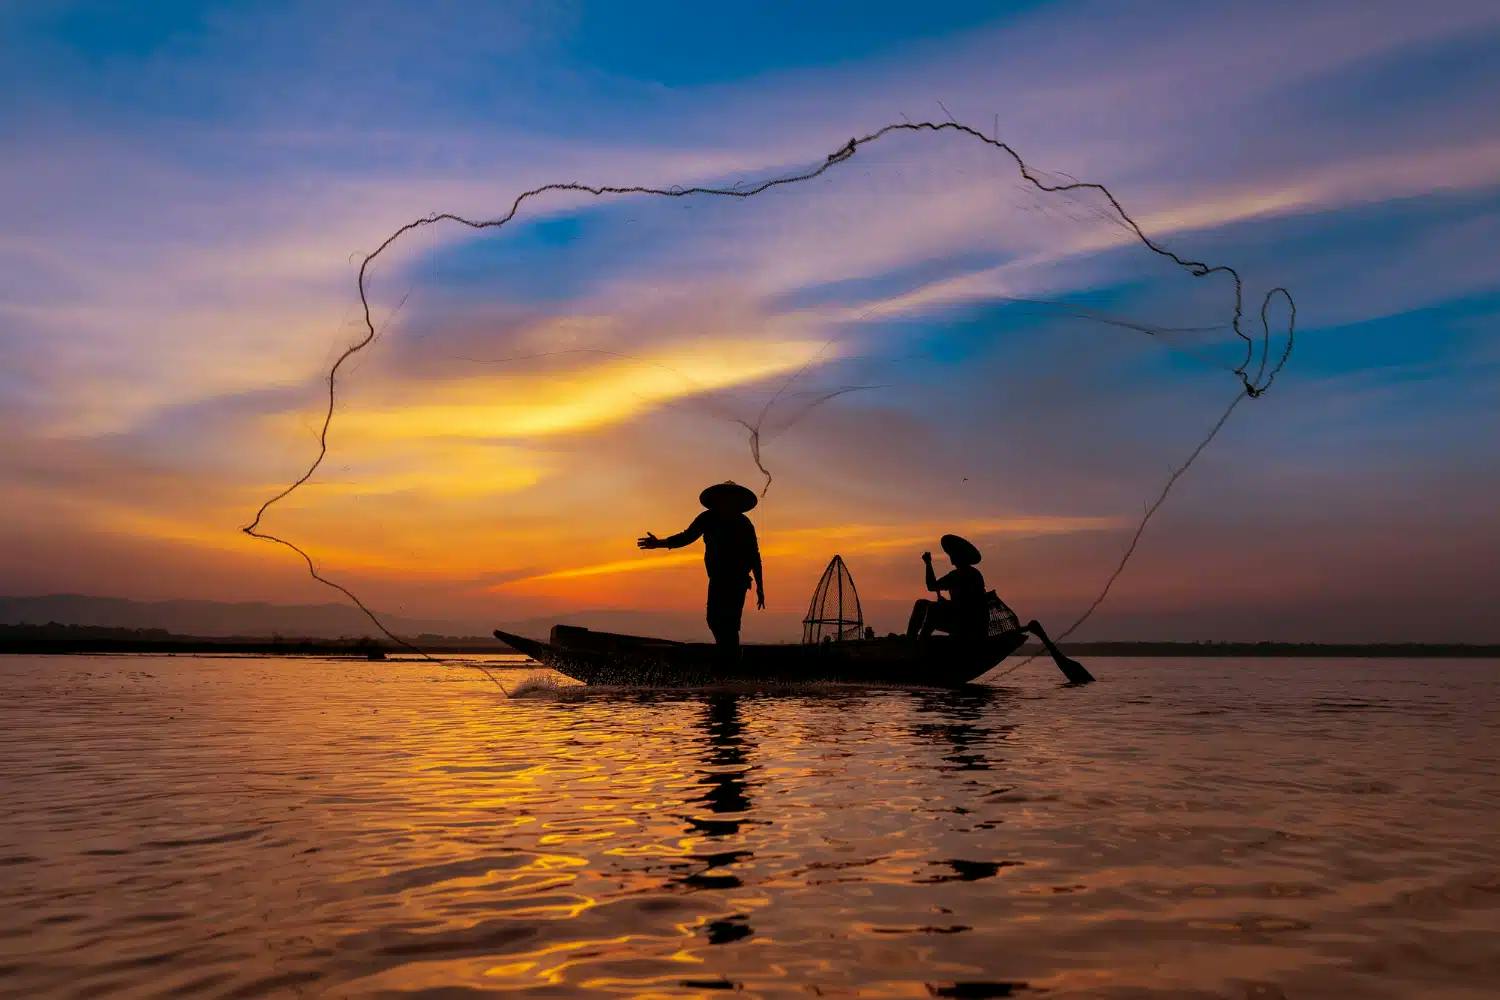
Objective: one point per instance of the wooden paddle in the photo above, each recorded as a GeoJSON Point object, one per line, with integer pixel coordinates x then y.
{"type": "Point", "coordinates": [1074, 671]}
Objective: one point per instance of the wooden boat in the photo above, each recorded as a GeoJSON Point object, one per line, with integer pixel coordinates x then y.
{"type": "Point", "coordinates": [610, 658]}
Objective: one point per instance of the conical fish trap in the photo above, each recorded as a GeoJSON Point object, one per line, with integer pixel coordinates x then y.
{"type": "Point", "coordinates": [1002, 619]}
{"type": "Point", "coordinates": [834, 613]}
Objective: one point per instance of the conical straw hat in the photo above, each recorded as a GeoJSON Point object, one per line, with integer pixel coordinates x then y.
{"type": "Point", "coordinates": [729, 494]}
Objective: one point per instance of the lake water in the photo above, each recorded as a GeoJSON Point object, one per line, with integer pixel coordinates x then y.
{"type": "Point", "coordinates": [235, 827]}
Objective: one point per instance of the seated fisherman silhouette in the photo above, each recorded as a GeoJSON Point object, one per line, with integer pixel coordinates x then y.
{"type": "Point", "coordinates": [965, 614]}
{"type": "Point", "coordinates": [731, 555]}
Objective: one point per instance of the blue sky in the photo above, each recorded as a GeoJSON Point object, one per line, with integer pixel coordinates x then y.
{"type": "Point", "coordinates": [189, 188]}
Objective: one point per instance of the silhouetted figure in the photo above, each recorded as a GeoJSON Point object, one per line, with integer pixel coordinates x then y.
{"type": "Point", "coordinates": [731, 555]}
{"type": "Point", "coordinates": [964, 614]}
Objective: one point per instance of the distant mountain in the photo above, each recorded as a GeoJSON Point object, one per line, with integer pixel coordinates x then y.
{"type": "Point", "coordinates": [219, 618]}
{"type": "Point", "coordinates": [333, 621]}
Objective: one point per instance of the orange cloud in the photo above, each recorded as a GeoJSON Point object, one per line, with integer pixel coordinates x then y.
{"type": "Point", "coordinates": [819, 543]}
{"type": "Point", "coordinates": [587, 398]}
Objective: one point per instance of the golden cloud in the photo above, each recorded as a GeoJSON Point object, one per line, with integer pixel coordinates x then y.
{"type": "Point", "coordinates": [583, 399]}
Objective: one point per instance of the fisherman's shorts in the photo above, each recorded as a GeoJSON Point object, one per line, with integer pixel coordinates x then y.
{"type": "Point", "coordinates": [726, 607]}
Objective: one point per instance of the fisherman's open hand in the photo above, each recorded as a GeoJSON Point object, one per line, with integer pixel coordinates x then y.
{"type": "Point", "coordinates": [649, 542]}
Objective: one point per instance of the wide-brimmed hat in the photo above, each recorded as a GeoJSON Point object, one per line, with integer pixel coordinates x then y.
{"type": "Point", "coordinates": [960, 550]}
{"type": "Point", "coordinates": [729, 494]}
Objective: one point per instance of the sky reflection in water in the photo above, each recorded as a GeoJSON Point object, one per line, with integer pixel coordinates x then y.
{"type": "Point", "coordinates": [237, 827]}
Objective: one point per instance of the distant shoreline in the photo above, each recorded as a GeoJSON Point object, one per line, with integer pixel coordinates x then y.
{"type": "Point", "coordinates": [1361, 650]}
{"type": "Point", "coordinates": [54, 638]}
{"type": "Point", "coordinates": [359, 650]}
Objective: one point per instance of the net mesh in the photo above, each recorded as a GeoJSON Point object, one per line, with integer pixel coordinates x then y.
{"type": "Point", "coordinates": [1002, 619]}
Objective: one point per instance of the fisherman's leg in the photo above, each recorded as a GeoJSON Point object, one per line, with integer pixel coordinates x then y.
{"type": "Point", "coordinates": [715, 613]}
{"type": "Point", "coordinates": [726, 607]}
{"type": "Point", "coordinates": [918, 617]}
{"type": "Point", "coordinates": [735, 614]}
{"type": "Point", "coordinates": [727, 642]}
{"type": "Point", "coordinates": [939, 617]}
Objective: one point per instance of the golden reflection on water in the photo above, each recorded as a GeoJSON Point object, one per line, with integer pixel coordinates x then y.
{"type": "Point", "coordinates": [246, 827]}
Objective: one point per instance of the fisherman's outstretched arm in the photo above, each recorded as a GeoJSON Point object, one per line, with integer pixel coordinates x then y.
{"type": "Point", "coordinates": [687, 536]}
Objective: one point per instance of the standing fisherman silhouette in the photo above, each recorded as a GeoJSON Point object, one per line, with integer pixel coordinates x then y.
{"type": "Point", "coordinates": [731, 555]}
{"type": "Point", "coordinates": [966, 613]}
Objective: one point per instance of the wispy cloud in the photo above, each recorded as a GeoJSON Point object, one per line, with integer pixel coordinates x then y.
{"type": "Point", "coordinates": [186, 204]}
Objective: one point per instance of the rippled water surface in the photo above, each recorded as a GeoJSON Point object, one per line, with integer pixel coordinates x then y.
{"type": "Point", "coordinates": [183, 826]}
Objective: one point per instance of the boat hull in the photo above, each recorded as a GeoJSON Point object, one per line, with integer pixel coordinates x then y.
{"type": "Point", "coordinates": [611, 659]}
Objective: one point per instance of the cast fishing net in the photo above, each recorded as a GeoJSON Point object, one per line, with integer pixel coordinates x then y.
{"type": "Point", "coordinates": [921, 270]}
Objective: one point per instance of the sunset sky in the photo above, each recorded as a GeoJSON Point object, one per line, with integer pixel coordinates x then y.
{"type": "Point", "coordinates": [187, 192]}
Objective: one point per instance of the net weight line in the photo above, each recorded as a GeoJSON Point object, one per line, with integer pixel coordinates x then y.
{"type": "Point", "coordinates": [1252, 386]}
